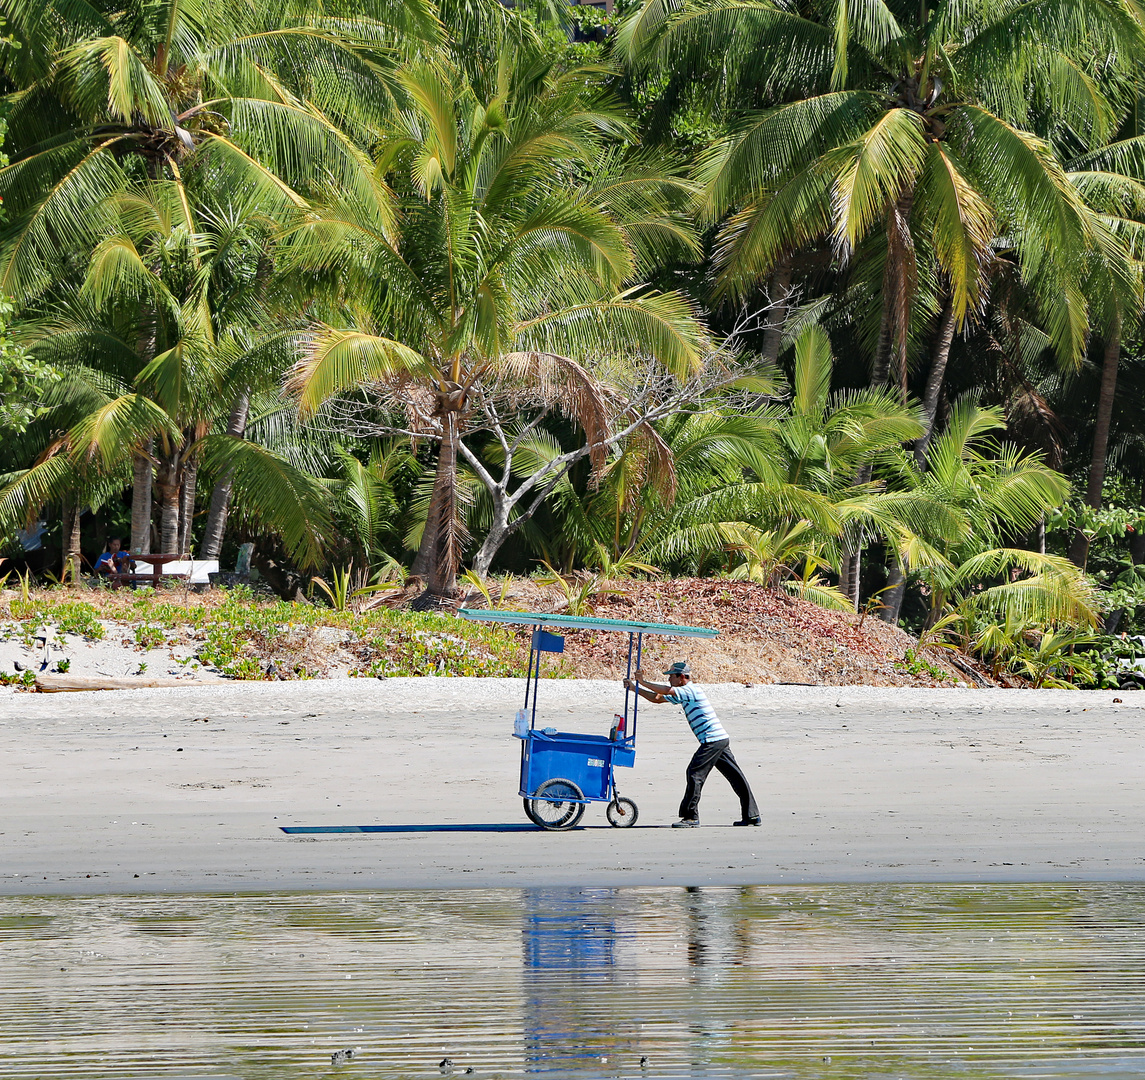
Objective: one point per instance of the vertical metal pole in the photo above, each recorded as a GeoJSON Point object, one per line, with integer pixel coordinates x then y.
{"type": "Point", "coordinates": [536, 683]}
{"type": "Point", "coordinates": [626, 690]}
{"type": "Point", "coordinates": [525, 743]}
{"type": "Point", "coordinates": [636, 699]}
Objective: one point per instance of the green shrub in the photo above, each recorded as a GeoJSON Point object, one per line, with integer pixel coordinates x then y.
{"type": "Point", "coordinates": [239, 636]}
{"type": "Point", "coordinates": [149, 637]}
{"type": "Point", "coordinates": [915, 663]}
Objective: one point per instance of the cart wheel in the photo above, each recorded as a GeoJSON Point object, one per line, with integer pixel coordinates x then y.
{"type": "Point", "coordinates": [622, 813]}
{"type": "Point", "coordinates": [551, 807]}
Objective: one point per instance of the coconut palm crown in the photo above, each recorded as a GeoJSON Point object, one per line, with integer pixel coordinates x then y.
{"type": "Point", "coordinates": [102, 93]}
{"type": "Point", "coordinates": [930, 128]}
{"type": "Point", "coordinates": [493, 244]}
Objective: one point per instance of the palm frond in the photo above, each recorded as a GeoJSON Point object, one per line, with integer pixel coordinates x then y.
{"type": "Point", "coordinates": [813, 365]}
{"type": "Point", "coordinates": [272, 493]}
{"type": "Point", "coordinates": [874, 171]}
{"type": "Point", "coordinates": [339, 360]}
{"type": "Point", "coordinates": [817, 591]}
{"type": "Point", "coordinates": [1050, 591]}
{"type": "Point", "coordinates": [113, 433]}
{"type": "Point", "coordinates": [663, 325]}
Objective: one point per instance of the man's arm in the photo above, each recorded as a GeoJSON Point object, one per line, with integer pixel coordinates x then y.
{"type": "Point", "coordinates": [649, 695]}
{"type": "Point", "coordinates": [656, 688]}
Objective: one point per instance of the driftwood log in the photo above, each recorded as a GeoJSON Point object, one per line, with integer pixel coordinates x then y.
{"type": "Point", "coordinates": [967, 668]}
{"type": "Point", "coordinates": [57, 684]}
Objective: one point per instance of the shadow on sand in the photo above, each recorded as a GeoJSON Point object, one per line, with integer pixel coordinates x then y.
{"type": "Point", "coordinates": [515, 827]}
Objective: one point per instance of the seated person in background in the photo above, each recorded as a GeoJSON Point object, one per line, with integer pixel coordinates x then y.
{"type": "Point", "coordinates": [114, 559]}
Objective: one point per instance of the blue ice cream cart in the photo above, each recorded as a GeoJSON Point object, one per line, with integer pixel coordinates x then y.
{"type": "Point", "coordinates": [563, 771]}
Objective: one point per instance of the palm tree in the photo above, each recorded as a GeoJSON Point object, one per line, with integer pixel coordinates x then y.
{"type": "Point", "coordinates": [367, 500]}
{"type": "Point", "coordinates": [101, 99]}
{"type": "Point", "coordinates": [1112, 183]}
{"type": "Point", "coordinates": [773, 490]}
{"type": "Point", "coordinates": [210, 326]}
{"type": "Point", "coordinates": [910, 125]}
{"type": "Point", "coordinates": [1002, 493]}
{"type": "Point", "coordinates": [653, 499]}
{"type": "Point", "coordinates": [484, 251]}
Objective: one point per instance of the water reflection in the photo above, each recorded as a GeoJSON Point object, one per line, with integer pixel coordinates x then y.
{"type": "Point", "coordinates": [855, 981]}
{"type": "Point", "coordinates": [569, 939]}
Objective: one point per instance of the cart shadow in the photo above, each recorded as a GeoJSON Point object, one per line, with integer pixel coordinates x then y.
{"type": "Point", "coordinates": [311, 830]}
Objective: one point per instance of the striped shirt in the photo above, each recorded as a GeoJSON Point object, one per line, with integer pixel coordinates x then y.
{"type": "Point", "coordinates": [701, 716]}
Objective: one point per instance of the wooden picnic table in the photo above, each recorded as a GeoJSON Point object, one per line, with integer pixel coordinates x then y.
{"type": "Point", "coordinates": [157, 562]}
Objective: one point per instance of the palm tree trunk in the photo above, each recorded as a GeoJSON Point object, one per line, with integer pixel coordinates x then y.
{"type": "Point", "coordinates": [167, 487]}
{"type": "Point", "coordinates": [898, 287]}
{"type": "Point", "coordinates": [896, 577]}
{"type": "Point", "coordinates": [881, 366]}
{"type": "Point", "coordinates": [216, 527]}
{"type": "Point", "coordinates": [849, 577]}
{"type": "Point", "coordinates": [141, 502]}
{"type": "Point", "coordinates": [896, 590]}
{"type": "Point", "coordinates": [902, 252]}
{"type": "Point", "coordinates": [187, 507]}
{"type": "Point", "coordinates": [894, 324]}
{"type": "Point", "coordinates": [849, 565]}
{"type": "Point", "coordinates": [935, 380]}
{"type": "Point", "coordinates": [1079, 550]}
{"type": "Point", "coordinates": [70, 537]}
{"type": "Point", "coordinates": [780, 294]}
{"type": "Point", "coordinates": [143, 466]}
{"type": "Point", "coordinates": [445, 529]}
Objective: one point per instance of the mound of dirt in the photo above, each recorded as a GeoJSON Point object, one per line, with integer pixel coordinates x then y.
{"type": "Point", "coordinates": [765, 637]}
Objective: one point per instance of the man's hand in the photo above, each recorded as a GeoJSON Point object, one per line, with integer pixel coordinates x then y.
{"type": "Point", "coordinates": [629, 684]}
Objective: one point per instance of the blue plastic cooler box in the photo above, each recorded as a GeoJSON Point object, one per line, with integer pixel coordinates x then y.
{"type": "Point", "coordinates": [583, 759]}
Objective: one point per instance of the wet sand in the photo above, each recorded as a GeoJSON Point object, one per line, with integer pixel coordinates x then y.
{"type": "Point", "coordinates": [186, 790]}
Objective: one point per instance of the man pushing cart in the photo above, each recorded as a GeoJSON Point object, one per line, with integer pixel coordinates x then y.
{"type": "Point", "coordinates": [561, 772]}
{"type": "Point", "coordinates": [715, 747]}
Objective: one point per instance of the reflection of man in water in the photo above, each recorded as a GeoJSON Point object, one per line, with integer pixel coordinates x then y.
{"type": "Point", "coordinates": [715, 747]}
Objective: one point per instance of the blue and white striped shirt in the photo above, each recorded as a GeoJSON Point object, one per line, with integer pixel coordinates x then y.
{"type": "Point", "coordinates": [701, 716]}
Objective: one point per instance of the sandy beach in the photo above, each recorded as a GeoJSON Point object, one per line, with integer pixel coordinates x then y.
{"type": "Point", "coordinates": [186, 790]}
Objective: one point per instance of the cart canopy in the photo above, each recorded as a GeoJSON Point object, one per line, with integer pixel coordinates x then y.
{"type": "Point", "coordinates": [585, 622]}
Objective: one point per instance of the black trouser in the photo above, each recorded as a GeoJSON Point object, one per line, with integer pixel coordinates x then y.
{"type": "Point", "coordinates": [716, 755]}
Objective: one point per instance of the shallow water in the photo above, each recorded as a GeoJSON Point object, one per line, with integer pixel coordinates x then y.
{"type": "Point", "coordinates": [885, 981]}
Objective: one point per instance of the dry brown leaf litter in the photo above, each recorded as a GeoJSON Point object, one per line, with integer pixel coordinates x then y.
{"type": "Point", "coordinates": [765, 636]}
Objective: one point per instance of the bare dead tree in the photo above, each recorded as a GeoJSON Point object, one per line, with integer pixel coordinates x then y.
{"type": "Point", "coordinates": [611, 407]}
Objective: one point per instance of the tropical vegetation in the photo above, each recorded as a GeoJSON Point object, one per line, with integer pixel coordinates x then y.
{"type": "Point", "coordinates": [841, 298]}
